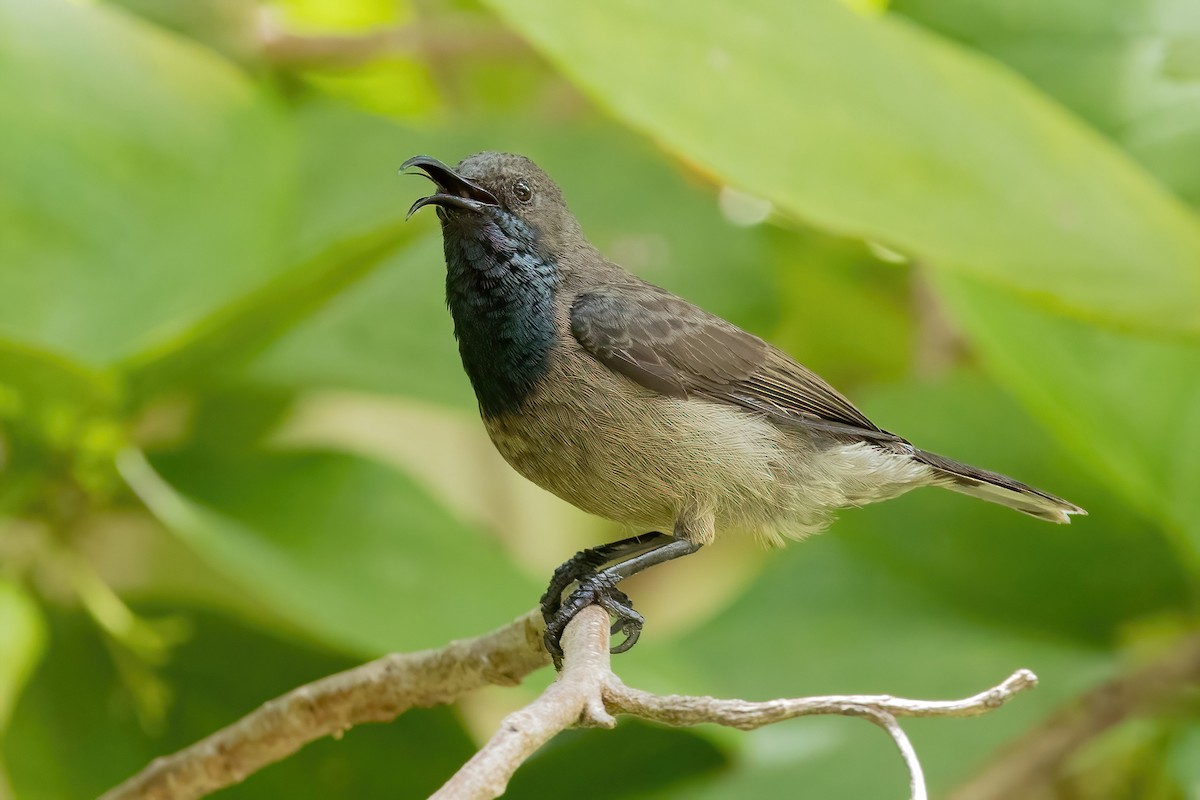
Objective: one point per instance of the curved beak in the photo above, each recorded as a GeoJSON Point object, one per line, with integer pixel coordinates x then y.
{"type": "Point", "coordinates": [453, 190]}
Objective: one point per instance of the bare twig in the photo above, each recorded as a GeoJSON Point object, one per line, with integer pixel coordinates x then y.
{"type": "Point", "coordinates": [378, 691]}
{"type": "Point", "coordinates": [916, 775]}
{"type": "Point", "coordinates": [745, 715]}
{"type": "Point", "coordinates": [586, 693]}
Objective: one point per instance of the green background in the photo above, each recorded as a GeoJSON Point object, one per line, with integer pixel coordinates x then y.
{"type": "Point", "coordinates": [237, 450]}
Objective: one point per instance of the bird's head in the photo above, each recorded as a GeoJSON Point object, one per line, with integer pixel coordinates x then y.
{"type": "Point", "coordinates": [498, 194]}
{"type": "Point", "coordinates": [510, 242]}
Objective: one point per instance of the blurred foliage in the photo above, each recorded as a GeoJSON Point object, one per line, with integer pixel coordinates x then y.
{"type": "Point", "coordinates": [237, 451]}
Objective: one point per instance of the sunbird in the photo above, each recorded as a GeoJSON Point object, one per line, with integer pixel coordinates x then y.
{"type": "Point", "coordinates": [635, 405]}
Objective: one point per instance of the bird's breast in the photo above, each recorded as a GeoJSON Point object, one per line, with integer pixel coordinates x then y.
{"type": "Point", "coordinates": [617, 450]}
{"type": "Point", "coordinates": [503, 310]}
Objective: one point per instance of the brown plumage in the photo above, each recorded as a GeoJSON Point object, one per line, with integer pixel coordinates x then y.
{"type": "Point", "coordinates": [636, 405]}
{"type": "Point", "coordinates": [673, 347]}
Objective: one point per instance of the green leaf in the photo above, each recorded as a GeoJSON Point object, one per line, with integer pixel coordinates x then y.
{"type": "Point", "coordinates": [390, 334]}
{"type": "Point", "coordinates": [33, 382]}
{"type": "Point", "coordinates": [220, 25]}
{"type": "Point", "coordinates": [999, 566]}
{"type": "Point", "coordinates": [346, 224]}
{"type": "Point", "coordinates": [347, 188]}
{"type": "Point", "coordinates": [872, 128]}
{"type": "Point", "coordinates": [844, 314]}
{"type": "Point", "coordinates": [143, 181]}
{"type": "Point", "coordinates": [1185, 761]}
{"type": "Point", "coordinates": [50, 398]}
{"type": "Point", "coordinates": [22, 640]}
{"type": "Point", "coordinates": [77, 712]}
{"type": "Point", "coordinates": [239, 330]}
{"type": "Point", "coordinates": [57, 418]}
{"type": "Point", "coordinates": [1124, 404]}
{"type": "Point", "coordinates": [157, 239]}
{"type": "Point", "coordinates": [1131, 68]}
{"type": "Point", "coordinates": [350, 551]}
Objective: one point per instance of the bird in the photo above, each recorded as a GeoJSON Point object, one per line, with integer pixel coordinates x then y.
{"type": "Point", "coordinates": [640, 407]}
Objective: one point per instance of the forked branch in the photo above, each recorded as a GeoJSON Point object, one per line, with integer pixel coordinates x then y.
{"type": "Point", "coordinates": [586, 693]}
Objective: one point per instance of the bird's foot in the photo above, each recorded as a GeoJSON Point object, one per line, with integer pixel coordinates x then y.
{"type": "Point", "coordinates": [588, 562]}
{"type": "Point", "coordinates": [579, 566]}
{"type": "Point", "coordinates": [599, 589]}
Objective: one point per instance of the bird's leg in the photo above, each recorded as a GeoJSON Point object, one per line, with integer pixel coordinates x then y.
{"type": "Point", "coordinates": [586, 562]}
{"type": "Point", "coordinates": [601, 589]}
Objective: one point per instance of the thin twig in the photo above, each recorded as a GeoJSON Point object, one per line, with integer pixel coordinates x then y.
{"type": "Point", "coordinates": [746, 715]}
{"type": "Point", "coordinates": [916, 775]}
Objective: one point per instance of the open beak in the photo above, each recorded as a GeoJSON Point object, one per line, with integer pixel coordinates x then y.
{"type": "Point", "coordinates": [453, 190]}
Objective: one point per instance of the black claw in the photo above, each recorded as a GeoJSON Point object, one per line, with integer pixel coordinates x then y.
{"type": "Point", "coordinates": [577, 567]}
{"type": "Point", "coordinates": [632, 634]}
{"type": "Point", "coordinates": [628, 622]}
{"type": "Point", "coordinates": [599, 589]}
{"type": "Point", "coordinates": [631, 625]}
{"type": "Point", "coordinates": [588, 592]}
{"type": "Point", "coordinates": [599, 586]}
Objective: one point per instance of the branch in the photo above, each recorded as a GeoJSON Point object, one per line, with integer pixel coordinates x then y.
{"type": "Point", "coordinates": [574, 699]}
{"type": "Point", "coordinates": [586, 693]}
{"type": "Point", "coordinates": [378, 691]}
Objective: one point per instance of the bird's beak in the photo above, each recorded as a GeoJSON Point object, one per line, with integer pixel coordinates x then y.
{"type": "Point", "coordinates": [454, 191]}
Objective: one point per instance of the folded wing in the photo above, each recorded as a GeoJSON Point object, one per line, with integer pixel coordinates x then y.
{"type": "Point", "coordinates": [670, 346]}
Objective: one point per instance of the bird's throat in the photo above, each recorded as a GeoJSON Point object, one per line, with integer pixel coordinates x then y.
{"type": "Point", "coordinates": [501, 296]}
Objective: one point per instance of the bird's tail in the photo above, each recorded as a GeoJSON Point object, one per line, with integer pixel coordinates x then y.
{"type": "Point", "coordinates": [997, 488]}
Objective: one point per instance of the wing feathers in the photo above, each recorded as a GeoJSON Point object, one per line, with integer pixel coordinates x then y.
{"type": "Point", "coordinates": [675, 348]}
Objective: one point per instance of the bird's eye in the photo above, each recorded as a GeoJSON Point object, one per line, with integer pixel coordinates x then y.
{"type": "Point", "coordinates": [522, 192]}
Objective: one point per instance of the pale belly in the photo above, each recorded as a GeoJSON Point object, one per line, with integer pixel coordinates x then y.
{"type": "Point", "coordinates": [643, 459]}
{"type": "Point", "coordinates": [693, 467]}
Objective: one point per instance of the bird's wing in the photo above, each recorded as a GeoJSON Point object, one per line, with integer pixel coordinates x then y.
{"type": "Point", "coordinates": [670, 346]}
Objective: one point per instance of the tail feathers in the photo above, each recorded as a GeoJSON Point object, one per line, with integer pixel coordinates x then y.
{"type": "Point", "coordinates": [997, 488]}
